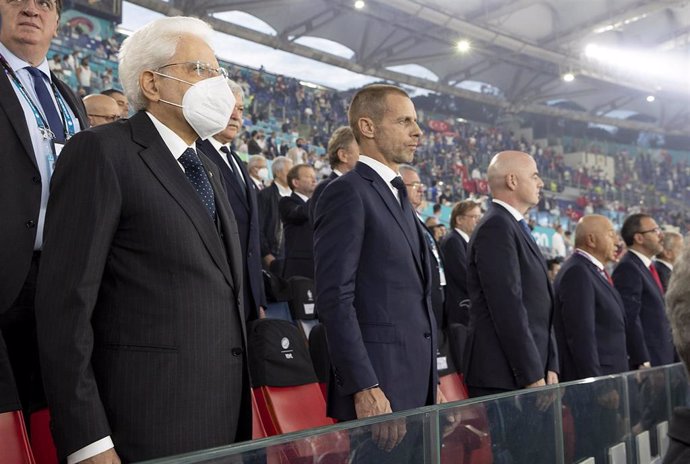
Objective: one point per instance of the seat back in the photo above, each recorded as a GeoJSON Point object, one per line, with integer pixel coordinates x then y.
{"type": "Point", "coordinates": [453, 388]}
{"type": "Point", "coordinates": [14, 443]}
{"type": "Point", "coordinates": [42, 439]}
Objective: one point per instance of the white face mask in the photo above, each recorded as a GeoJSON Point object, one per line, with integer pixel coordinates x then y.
{"type": "Point", "coordinates": [206, 106]}
{"type": "Point", "coordinates": [263, 173]}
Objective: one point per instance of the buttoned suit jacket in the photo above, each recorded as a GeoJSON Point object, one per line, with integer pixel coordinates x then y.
{"type": "Point", "coordinates": [664, 274]}
{"type": "Point", "coordinates": [20, 203]}
{"type": "Point", "coordinates": [511, 341]}
{"type": "Point", "coordinates": [648, 332]}
{"type": "Point", "coordinates": [244, 203]}
{"type": "Point", "coordinates": [454, 249]}
{"type": "Point", "coordinates": [589, 322]}
{"type": "Point", "coordinates": [373, 294]}
{"type": "Point", "coordinates": [299, 237]}
{"type": "Point", "coordinates": [139, 300]}
{"type": "Point", "coordinates": [269, 218]}
{"type": "Point", "coordinates": [317, 194]}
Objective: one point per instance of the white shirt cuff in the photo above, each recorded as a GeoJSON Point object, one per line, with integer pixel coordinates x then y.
{"type": "Point", "coordinates": [89, 451]}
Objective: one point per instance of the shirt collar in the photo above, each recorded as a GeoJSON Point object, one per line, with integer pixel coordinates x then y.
{"type": "Point", "coordinates": [646, 261]}
{"type": "Point", "coordinates": [216, 144]}
{"type": "Point", "coordinates": [386, 173]}
{"type": "Point", "coordinates": [303, 197]}
{"type": "Point", "coordinates": [463, 235]}
{"type": "Point", "coordinates": [513, 212]}
{"type": "Point", "coordinates": [591, 258]}
{"type": "Point", "coordinates": [337, 172]}
{"type": "Point", "coordinates": [174, 142]}
{"type": "Point", "coordinates": [17, 63]}
{"type": "Point", "coordinates": [283, 191]}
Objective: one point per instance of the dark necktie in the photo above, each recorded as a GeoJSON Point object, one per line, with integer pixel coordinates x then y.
{"type": "Point", "coordinates": [655, 275]}
{"type": "Point", "coordinates": [196, 174]}
{"type": "Point", "coordinates": [399, 184]}
{"type": "Point", "coordinates": [46, 102]}
{"type": "Point", "coordinates": [526, 229]}
{"type": "Point", "coordinates": [233, 168]}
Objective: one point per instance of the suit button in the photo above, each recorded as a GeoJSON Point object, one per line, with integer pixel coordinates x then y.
{"type": "Point", "coordinates": [237, 351]}
{"type": "Point", "coordinates": [36, 179]}
{"type": "Point", "coordinates": [249, 254]}
{"type": "Point", "coordinates": [427, 335]}
{"type": "Point", "coordinates": [30, 224]}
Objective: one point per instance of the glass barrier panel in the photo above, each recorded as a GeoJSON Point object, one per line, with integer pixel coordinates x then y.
{"type": "Point", "coordinates": [392, 439]}
{"type": "Point", "coordinates": [680, 388]}
{"type": "Point", "coordinates": [649, 404]}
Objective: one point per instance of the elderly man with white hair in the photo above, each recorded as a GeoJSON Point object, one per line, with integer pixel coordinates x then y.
{"type": "Point", "coordinates": [139, 303]}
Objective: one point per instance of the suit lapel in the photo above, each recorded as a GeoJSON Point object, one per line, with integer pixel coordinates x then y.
{"type": "Point", "coordinates": [15, 113]}
{"type": "Point", "coordinates": [230, 178]}
{"type": "Point", "coordinates": [163, 165]}
{"type": "Point", "coordinates": [396, 211]}
{"type": "Point", "coordinates": [75, 104]}
{"type": "Point", "coordinates": [646, 273]}
{"type": "Point", "coordinates": [599, 277]}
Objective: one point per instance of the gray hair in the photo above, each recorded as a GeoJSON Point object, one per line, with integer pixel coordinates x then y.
{"type": "Point", "coordinates": [407, 167]}
{"type": "Point", "coordinates": [254, 160]}
{"type": "Point", "coordinates": [670, 239]}
{"type": "Point", "coordinates": [678, 305]}
{"type": "Point", "coordinates": [151, 47]}
{"type": "Point", "coordinates": [279, 164]}
{"type": "Point", "coordinates": [236, 90]}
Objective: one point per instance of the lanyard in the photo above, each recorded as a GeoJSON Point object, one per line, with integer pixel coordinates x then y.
{"type": "Point", "coordinates": [46, 133]}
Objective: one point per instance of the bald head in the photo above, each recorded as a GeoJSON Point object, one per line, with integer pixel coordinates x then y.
{"type": "Point", "coordinates": [101, 109]}
{"type": "Point", "coordinates": [595, 235]}
{"type": "Point", "coordinates": [514, 179]}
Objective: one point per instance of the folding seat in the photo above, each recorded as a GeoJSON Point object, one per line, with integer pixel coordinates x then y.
{"type": "Point", "coordinates": [288, 397]}
{"type": "Point", "coordinates": [14, 443]}
{"type": "Point", "coordinates": [42, 438]}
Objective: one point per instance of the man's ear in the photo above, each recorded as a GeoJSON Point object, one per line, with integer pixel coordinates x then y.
{"type": "Point", "coordinates": [149, 86]}
{"type": "Point", "coordinates": [366, 127]}
{"type": "Point", "coordinates": [511, 181]}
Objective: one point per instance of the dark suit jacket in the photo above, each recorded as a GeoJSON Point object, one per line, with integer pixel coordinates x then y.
{"type": "Point", "coordinates": [317, 194]}
{"type": "Point", "coordinates": [373, 294]}
{"type": "Point", "coordinates": [20, 202]}
{"type": "Point", "coordinates": [589, 322]}
{"type": "Point", "coordinates": [139, 300]}
{"type": "Point", "coordinates": [647, 329]}
{"type": "Point", "coordinates": [679, 433]}
{"type": "Point", "coordinates": [454, 249]}
{"type": "Point", "coordinates": [299, 237]}
{"type": "Point", "coordinates": [269, 218]}
{"type": "Point", "coordinates": [664, 274]}
{"type": "Point", "coordinates": [244, 203]}
{"type": "Point", "coordinates": [437, 290]}
{"type": "Point", "coordinates": [511, 341]}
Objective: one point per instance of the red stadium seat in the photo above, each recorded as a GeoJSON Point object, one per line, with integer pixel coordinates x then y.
{"type": "Point", "coordinates": [14, 443]}
{"type": "Point", "coordinates": [453, 387]}
{"type": "Point", "coordinates": [42, 439]}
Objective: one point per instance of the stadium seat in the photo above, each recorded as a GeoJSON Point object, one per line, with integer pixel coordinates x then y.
{"type": "Point", "coordinates": [14, 443]}
{"type": "Point", "coordinates": [42, 439]}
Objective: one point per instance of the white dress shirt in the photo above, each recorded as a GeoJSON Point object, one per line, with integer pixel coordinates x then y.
{"type": "Point", "coordinates": [230, 162]}
{"type": "Point", "coordinates": [515, 213]}
{"type": "Point", "coordinates": [645, 260]}
{"type": "Point", "coordinates": [463, 235]}
{"type": "Point", "coordinates": [384, 172]}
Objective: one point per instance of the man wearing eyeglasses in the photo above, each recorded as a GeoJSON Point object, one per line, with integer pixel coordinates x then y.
{"type": "Point", "coordinates": [139, 305]}
{"type": "Point", "coordinates": [648, 333]}
{"type": "Point", "coordinates": [101, 109]}
{"type": "Point", "coordinates": [37, 114]}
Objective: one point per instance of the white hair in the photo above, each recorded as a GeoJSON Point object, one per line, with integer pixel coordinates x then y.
{"type": "Point", "coordinates": [236, 90]}
{"type": "Point", "coordinates": [151, 47]}
{"type": "Point", "coordinates": [678, 306]}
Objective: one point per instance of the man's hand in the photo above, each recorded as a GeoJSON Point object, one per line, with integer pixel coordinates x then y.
{"type": "Point", "coordinates": [538, 383]}
{"type": "Point", "coordinates": [268, 259]}
{"type": "Point", "coordinates": [373, 402]}
{"type": "Point", "coordinates": [451, 417]}
{"type": "Point", "coordinates": [551, 378]}
{"type": "Point", "coordinates": [106, 457]}
{"type": "Point", "coordinates": [262, 312]}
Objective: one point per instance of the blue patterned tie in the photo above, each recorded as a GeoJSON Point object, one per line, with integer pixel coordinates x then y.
{"type": "Point", "coordinates": [197, 176]}
{"type": "Point", "coordinates": [49, 110]}
{"type": "Point", "coordinates": [526, 229]}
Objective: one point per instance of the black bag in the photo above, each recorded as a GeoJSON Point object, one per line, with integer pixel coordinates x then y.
{"type": "Point", "coordinates": [302, 303]}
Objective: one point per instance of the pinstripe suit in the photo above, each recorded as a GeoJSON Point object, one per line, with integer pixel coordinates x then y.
{"type": "Point", "coordinates": [138, 302]}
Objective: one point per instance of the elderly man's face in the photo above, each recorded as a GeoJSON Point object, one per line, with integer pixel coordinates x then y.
{"type": "Point", "coordinates": [30, 24]}
{"type": "Point", "coordinates": [122, 103]}
{"type": "Point", "coordinates": [235, 124]}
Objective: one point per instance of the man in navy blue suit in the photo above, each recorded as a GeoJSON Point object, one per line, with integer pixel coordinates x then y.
{"type": "Point", "coordinates": [647, 330]}
{"type": "Point", "coordinates": [242, 193]}
{"type": "Point", "coordinates": [343, 154]}
{"type": "Point", "coordinates": [590, 330]}
{"type": "Point", "coordinates": [511, 344]}
{"type": "Point", "coordinates": [297, 230]}
{"type": "Point", "coordinates": [373, 278]}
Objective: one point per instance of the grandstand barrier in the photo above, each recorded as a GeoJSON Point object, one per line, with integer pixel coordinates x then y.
{"type": "Point", "coordinates": [612, 419]}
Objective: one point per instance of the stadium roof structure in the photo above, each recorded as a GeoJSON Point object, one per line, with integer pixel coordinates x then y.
{"type": "Point", "coordinates": [519, 50]}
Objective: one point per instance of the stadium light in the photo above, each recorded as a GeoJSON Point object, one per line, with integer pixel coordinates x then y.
{"type": "Point", "coordinates": [359, 4]}
{"type": "Point", "coordinates": [568, 77]}
{"type": "Point", "coordinates": [463, 46]}
{"type": "Point", "coordinates": [651, 98]}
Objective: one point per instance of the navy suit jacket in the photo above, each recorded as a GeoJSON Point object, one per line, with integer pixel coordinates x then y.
{"type": "Point", "coordinates": [244, 205]}
{"type": "Point", "coordinates": [511, 342]}
{"type": "Point", "coordinates": [317, 194]}
{"type": "Point", "coordinates": [664, 274]}
{"type": "Point", "coordinates": [270, 224]}
{"type": "Point", "coordinates": [647, 329]}
{"type": "Point", "coordinates": [454, 250]}
{"type": "Point", "coordinates": [299, 237]}
{"type": "Point", "coordinates": [373, 288]}
{"type": "Point", "coordinates": [589, 322]}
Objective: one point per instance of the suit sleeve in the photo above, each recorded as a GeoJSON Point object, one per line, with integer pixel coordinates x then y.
{"type": "Point", "coordinates": [83, 214]}
{"type": "Point", "coordinates": [338, 238]}
{"type": "Point", "coordinates": [499, 272]}
{"type": "Point", "coordinates": [455, 262]}
{"type": "Point", "coordinates": [628, 282]}
{"type": "Point", "coordinates": [292, 212]}
{"type": "Point", "coordinates": [264, 221]}
{"type": "Point", "coordinates": [575, 294]}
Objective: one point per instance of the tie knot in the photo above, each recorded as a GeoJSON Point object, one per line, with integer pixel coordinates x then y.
{"type": "Point", "coordinates": [399, 184]}
{"type": "Point", "coordinates": [225, 150]}
{"type": "Point", "coordinates": [35, 72]}
{"type": "Point", "coordinates": [189, 159]}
